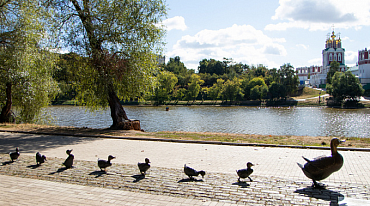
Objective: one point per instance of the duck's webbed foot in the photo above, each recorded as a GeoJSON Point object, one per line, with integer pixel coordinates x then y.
{"type": "Point", "coordinates": [250, 179]}
{"type": "Point", "coordinates": [318, 185]}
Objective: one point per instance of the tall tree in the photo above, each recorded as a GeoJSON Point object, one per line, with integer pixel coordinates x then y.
{"type": "Point", "coordinates": [122, 38]}
{"type": "Point", "coordinates": [193, 87]}
{"type": "Point", "coordinates": [334, 67]}
{"type": "Point", "coordinates": [288, 78]}
{"type": "Point", "coordinates": [231, 90]}
{"type": "Point", "coordinates": [345, 85]}
{"type": "Point", "coordinates": [166, 83]}
{"type": "Point", "coordinates": [25, 64]}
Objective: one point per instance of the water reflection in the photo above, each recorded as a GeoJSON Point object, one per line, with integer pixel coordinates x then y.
{"type": "Point", "coordinates": [310, 121]}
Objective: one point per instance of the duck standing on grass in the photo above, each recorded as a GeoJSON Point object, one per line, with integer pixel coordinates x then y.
{"type": "Point", "coordinates": [105, 163]}
{"type": "Point", "coordinates": [244, 173]}
{"type": "Point", "coordinates": [323, 166]}
{"type": "Point", "coordinates": [40, 158]}
{"type": "Point", "coordinates": [69, 161]}
{"type": "Point", "coordinates": [14, 155]}
{"type": "Point", "coordinates": [143, 167]}
{"type": "Point", "coordinates": [192, 172]}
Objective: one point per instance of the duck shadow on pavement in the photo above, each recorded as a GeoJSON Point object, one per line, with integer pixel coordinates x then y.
{"type": "Point", "coordinates": [34, 166]}
{"type": "Point", "coordinates": [323, 194]}
{"type": "Point", "coordinates": [6, 163]}
{"type": "Point", "coordinates": [98, 173]}
{"type": "Point", "coordinates": [190, 180]}
{"type": "Point", "coordinates": [242, 184]}
{"type": "Point", "coordinates": [138, 177]}
{"type": "Point", "coordinates": [62, 169]}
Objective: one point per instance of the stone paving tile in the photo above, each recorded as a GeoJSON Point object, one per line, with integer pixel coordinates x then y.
{"type": "Point", "coordinates": [276, 162]}
{"type": "Point", "coordinates": [221, 187]}
{"type": "Point", "coordinates": [278, 179]}
{"type": "Point", "coordinates": [32, 191]}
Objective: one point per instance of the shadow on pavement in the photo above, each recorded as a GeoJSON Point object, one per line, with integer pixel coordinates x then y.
{"type": "Point", "coordinates": [34, 166]}
{"type": "Point", "coordinates": [242, 184]}
{"type": "Point", "coordinates": [190, 180]}
{"type": "Point", "coordinates": [62, 169]}
{"type": "Point", "coordinates": [98, 173]}
{"type": "Point", "coordinates": [323, 194]}
{"type": "Point", "coordinates": [7, 162]}
{"type": "Point", "coordinates": [138, 177]}
{"type": "Point", "coordinates": [30, 143]}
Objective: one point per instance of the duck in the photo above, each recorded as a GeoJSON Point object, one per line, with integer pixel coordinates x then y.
{"type": "Point", "coordinates": [14, 155]}
{"type": "Point", "coordinates": [105, 163]}
{"type": "Point", "coordinates": [69, 161]}
{"type": "Point", "coordinates": [40, 158]}
{"type": "Point", "coordinates": [143, 167]}
{"type": "Point", "coordinates": [244, 173]}
{"type": "Point", "coordinates": [192, 172]}
{"type": "Point", "coordinates": [323, 166]}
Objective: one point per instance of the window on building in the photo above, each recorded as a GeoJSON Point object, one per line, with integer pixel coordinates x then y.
{"type": "Point", "coordinates": [330, 57]}
{"type": "Point", "coordinates": [339, 57]}
{"type": "Point", "coordinates": [335, 57]}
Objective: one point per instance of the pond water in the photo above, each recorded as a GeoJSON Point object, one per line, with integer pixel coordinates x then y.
{"type": "Point", "coordinates": [302, 121]}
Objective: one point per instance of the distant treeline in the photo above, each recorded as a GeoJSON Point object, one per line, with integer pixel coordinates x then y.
{"type": "Point", "coordinates": [225, 80]}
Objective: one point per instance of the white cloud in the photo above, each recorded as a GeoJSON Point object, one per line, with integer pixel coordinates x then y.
{"type": "Point", "coordinates": [351, 58]}
{"type": "Point", "coordinates": [177, 22]}
{"type": "Point", "coordinates": [315, 62]}
{"type": "Point", "coordinates": [241, 42]}
{"type": "Point", "coordinates": [320, 15]}
{"type": "Point", "coordinates": [303, 46]}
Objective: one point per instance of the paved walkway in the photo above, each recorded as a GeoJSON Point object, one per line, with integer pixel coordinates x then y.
{"type": "Point", "coordinates": [277, 178]}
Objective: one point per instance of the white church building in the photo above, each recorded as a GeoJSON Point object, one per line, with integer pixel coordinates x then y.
{"type": "Point", "coordinates": [317, 74]}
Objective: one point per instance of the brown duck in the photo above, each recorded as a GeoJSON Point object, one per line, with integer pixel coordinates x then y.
{"type": "Point", "coordinates": [323, 166]}
{"type": "Point", "coordinates": [103, 164]}
{"type": "Point", "coordinates": [143, 167]}
{"type": "Point", "coordinates": [244, 173]}
{"type": "Point", "coordinates": [192, 172]}
{"type": "Point", "coordinates": [69, 161]}
{"type": "Point", "coordinates": [40, 158]}
{"type": "Point", "coordinates": [14, 155]}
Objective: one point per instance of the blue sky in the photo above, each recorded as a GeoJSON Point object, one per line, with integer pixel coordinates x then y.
{"type": "Point", "coordinates": [264, 31]}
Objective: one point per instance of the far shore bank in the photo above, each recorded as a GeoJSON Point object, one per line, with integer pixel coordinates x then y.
{"type": "Point", "coordinates": [291, 140]}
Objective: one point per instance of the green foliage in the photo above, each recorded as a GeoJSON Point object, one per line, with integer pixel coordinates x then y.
{"type": "Point", "coordinates": [276, 91]}
{"type": "Point", "coordinates": [178, 94]}
{"type": "Point", "coordinates": [288, 79]}
{"type": "Point", "coordinates": [25, 64]}
{"type": "Point", "coordinates": [193, 87]}
{"type": "Point", "coordinates": [215, 91]}
{"type": "Point", "coordinates": [175, 66]}
{"type": "Point", "coordinates": [334, 67]}
{"type": "Point", "coordinates": [166, 82]}
{"type": "Point", "coordinates": [122, 40]}
{"type": "Point", "coordinates": [345, 86]}
{"type": "Point", "coordinates": [231, 90]}
{"type": "Point", "coordinates": [211, 66]}
{"type": "Point", "coordinates": [258, 92]}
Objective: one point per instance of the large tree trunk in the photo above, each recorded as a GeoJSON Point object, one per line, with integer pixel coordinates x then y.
{"type": "Point", "coordinates": [6, 112]}
{"type": "Point", "coordinates": [117, 112]}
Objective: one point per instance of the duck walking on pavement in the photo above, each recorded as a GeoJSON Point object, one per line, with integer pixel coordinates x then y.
{"type": "Point", "coordinates": [69, 161]}
{"type": "Point", "coordinates": [244, 173]}
{"type": "Point", "coordinates": [103, 164]}
{"type": "Point", "coordinates": [323, 166]}
{"type": "Point", "coordinates": [143, 167]}
{"type": "Point", "coordinates": [40, 158]}
{"type": "Point", "coordinates": [14, 155]}
{"type": "Point", "coordinates": [192, 172]}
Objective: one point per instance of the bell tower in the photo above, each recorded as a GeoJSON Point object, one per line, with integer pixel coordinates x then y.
{"type": "Point", "coordinates": [333, 52]}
